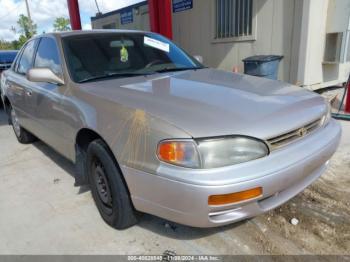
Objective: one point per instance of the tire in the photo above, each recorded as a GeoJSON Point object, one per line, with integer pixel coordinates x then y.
{"type": "Point", "coordinates": [108, 188]}
{"type": "Point", "coordinates": [22, 135]}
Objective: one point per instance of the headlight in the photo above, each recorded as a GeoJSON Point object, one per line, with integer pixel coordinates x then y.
{"type": "Point", "coordinates": [211, 153]}
{"type": "Point", "coordinates": [230, 151]}
{"type": "Point", "coordinates": [328, 115]}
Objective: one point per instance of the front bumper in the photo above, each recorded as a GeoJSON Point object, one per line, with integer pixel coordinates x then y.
{"type": "Point", "coordinates": [181, 195]}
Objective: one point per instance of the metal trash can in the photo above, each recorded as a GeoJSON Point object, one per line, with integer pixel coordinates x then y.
{"type": "Point", "coordinates": [262, 65]}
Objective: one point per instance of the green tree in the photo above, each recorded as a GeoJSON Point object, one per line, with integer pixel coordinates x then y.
{"type": "Point", "coordinates": [5, 45]}
{"type": "Point", "coordinates": [61, 24]}
{"type": "Point", "coordinates": [26, 26]}
{"type": "Point", "coordinates": [27, 29]}
{"type": "Point", "coordinates": [16, 44]}
{"type": "Point", "coordinates": [22, 40]}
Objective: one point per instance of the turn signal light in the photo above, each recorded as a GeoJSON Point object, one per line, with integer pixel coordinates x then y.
{"type": "Point", "coordinates": [171, 151]}
{"type": "Point", "coordinates": [182, 153]}
{"type": "Point", "coordinates": [216, 200]}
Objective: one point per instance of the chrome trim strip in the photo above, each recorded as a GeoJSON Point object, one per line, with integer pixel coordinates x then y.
{"type": "Point", "coordinates": [287, 138]}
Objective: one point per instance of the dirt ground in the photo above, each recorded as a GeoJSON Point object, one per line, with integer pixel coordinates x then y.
{"type": "Point", "coordinates": [42, 213]}
{"type": "Point", "coordinates": [323, 211]}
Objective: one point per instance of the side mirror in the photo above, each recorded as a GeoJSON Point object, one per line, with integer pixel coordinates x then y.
{"type": "Point", "coordinates": [199, 58]}
{"type": "Point", "coordinates": [44, 75]}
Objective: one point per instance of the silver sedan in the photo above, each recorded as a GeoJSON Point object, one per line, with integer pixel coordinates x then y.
{"type": "Point", "coordinates": [152, 130]}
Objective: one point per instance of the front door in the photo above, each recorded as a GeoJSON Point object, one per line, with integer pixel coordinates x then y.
{"type": "Point", "coordinates": [47, 98]}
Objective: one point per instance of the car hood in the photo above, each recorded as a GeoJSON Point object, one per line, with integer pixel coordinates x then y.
{"type": "Point", "coordinates": [210, 103]}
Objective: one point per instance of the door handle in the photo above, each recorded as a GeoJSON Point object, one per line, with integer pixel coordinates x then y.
{"type": "Point", "coordinates": [29, 92]}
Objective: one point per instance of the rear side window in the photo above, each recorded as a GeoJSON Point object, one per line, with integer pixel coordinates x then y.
{"type": "Point", "coordinates": [47, 55]}
{"type": "Point", "coordinates": [15, 63]}
{"type": "Point", "coordinates": [25, 63]}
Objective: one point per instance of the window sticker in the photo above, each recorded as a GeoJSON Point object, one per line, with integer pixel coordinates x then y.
{"type": "Point", "coordinates": [157, 44]}
{"type": "Point", "coordinates": [124, 55]}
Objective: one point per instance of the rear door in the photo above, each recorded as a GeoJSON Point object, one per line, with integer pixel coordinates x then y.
{"type": "Point", "coordinates": [19, 88]}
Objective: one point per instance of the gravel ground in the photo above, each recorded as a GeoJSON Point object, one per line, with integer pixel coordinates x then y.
{"type": "Point", "coordinates": [42, 213]}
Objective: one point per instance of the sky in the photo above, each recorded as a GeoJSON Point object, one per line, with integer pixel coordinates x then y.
{"type": "Point", "coordinates": [44, 12]}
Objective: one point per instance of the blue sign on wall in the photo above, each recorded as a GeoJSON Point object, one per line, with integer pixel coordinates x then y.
{"type": "Point", "coordinates": [182, 5]}
{"type": "Point", "coordinates": [127, 16]}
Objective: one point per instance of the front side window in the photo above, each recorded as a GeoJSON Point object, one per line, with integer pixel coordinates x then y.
{"type": "Point", "coordinates": [234, 18]}
{"type": "Point", "coordinates": [47, 56]}
{"type": "Point", "coordinates": [106, 55]}
{"type": "Point", "coordinates": [25, 63]}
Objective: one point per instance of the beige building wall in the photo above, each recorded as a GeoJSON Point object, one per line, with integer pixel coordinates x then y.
{"type": "Point", "coordinates": [295, 29]}
{"type": "Point", "coordinates": [274, 22]}
{"type": "Point", "coordinates": [140, 16]}
{"type": "Point", "coordinates": [338, 24]}
{"type": "Point", "coordinates": [323, 20]}
{"type": "Point", "coordinates": [274, 30]}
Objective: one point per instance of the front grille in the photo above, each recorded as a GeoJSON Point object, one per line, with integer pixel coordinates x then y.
{"type": "Point", "coordinates": [287, 138]}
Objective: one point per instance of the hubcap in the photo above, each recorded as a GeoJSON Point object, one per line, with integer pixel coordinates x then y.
{"type": "Point", "coordinates": [15, 124]}
{"type": "Point", "coordinates": [101, 183]}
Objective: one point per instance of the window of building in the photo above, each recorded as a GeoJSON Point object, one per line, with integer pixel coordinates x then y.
{"type": "Point", "coordinates": [234, 18]}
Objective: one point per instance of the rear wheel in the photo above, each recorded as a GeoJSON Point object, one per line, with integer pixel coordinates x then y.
{"type": "Point", "coordinates": [108, 187]}
{"type": "Point", "coordinates": [23, 136]}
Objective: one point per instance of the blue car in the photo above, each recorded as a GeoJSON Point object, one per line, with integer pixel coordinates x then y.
{"type": "Point", "coordinates": [6, 59]}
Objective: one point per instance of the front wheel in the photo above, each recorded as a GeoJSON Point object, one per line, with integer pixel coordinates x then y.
{"type": "Point", "coordinates": [23, 136]}
{"type": "Point", "coordinates": [108, 187]}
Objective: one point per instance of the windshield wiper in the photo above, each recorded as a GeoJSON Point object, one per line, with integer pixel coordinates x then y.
{"type": "Point", "coordinates": [111, 75]}
{"type": "Point", "coordinates": [174, 69]}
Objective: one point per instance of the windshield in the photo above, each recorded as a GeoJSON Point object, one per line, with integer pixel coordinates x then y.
{"type": "Point", "coordinates": [98, 56]}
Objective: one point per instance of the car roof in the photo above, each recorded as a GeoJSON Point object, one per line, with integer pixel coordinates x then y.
{"type": "Point", "coordinates": [8, 51]}
{"type": "Point", "coordinates": [94, 31]}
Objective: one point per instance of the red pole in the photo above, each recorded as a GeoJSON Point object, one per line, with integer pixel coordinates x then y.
{"type": "Point", "coordinates": [74, 15]}
{"type": "Point", "coordinates": [153, 15]}
{"type": "Point", "coordinates": [160, 15]}
{"type": "Point", "coordinates": [165, 19]}
{"type": "Point", "coordinates": [347, 103]}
